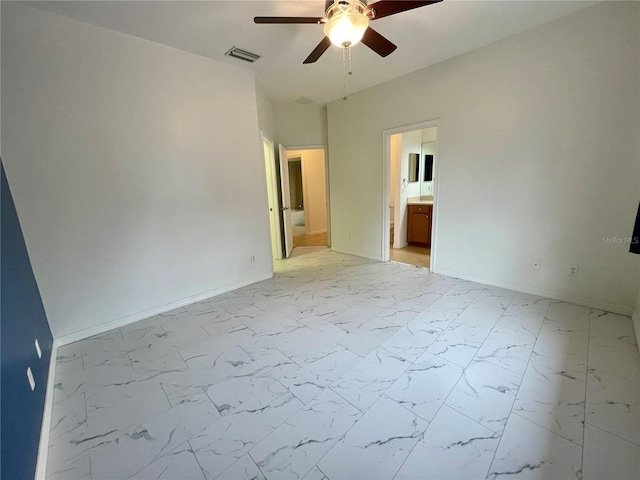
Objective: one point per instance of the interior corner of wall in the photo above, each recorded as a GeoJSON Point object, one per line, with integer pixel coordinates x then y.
{"type": "Point", "coordinates": [45, 429]}
{"type": "Point", "coordinates": [636, 326]}
{"type": "Point", "coordinates": [635, 318]}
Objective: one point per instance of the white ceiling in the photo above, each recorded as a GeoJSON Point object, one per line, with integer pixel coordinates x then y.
{"type": "Point", "coordinates": [424, 36]}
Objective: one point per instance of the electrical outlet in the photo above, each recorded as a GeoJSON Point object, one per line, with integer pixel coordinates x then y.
{"type": "Point", "coordinates": [38, 350]}
{"type": "Point", "coordinates": [573, 270]}
{"type": "Point", "coordinates": [253, 259]}
{"type": "Point", "coordinates": [32, 381]}
{"type": "Point", "coordinates": [536, 264]}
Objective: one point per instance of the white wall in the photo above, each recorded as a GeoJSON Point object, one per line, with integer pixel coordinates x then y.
{"type": "Point", "coordinates": [267, 117]}
{"type": "Point", "coordinates": [544, 127]}
{"type": "Point", "coordinates": [136, 170]}
{"type": "Point", "coordinates": [302, 125]}
{"type": "Point", "coordinates": [636, 320]}
{"type": "Point", "coordinates": [315, 188]}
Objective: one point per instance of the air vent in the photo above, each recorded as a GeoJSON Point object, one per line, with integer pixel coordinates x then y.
{"type": "Point", "coordinates": [236, 52]}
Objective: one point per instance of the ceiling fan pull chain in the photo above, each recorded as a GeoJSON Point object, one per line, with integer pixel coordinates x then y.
{"type": "Point", "coordinates": [344, 73]}
{"type": "Point", "coordinates": [346, 67]}
{"type": "Point", "coordinates": [344, 62]}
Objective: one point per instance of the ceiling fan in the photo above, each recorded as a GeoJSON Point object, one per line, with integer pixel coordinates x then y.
{"type": "Point", "coordinates": [346, 22]}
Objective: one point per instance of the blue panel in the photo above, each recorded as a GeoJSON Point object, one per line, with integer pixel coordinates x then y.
{"type": "Point", "coordinates": [22, 320]}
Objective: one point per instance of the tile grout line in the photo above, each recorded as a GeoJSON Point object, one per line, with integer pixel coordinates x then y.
{"type": "Point", "coordinates": [637, 445]}
{"type": "Point", "coordinates": [429, 422]}
{"type": "Point", "coordinates": [364, 412]}
{"type": "Point", "coordinates": [556, 434]}
{"type": "Point", "coordinates": [193, 452]}
{"type": "Point", "coordinates": [586, 389]}
{"type": "Point", "coordinates": [254, 462]}
{"type": "Point", "coordinates": [493, 459]}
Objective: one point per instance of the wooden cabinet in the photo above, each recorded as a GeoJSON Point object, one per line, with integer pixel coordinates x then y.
{"type": "Point", "coordinates": [419, 224]}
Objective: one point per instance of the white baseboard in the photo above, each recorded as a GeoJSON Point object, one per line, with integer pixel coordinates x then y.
{"type": "Point", "coordinates": [121, 322]}
{"type": "Point", "coordinates": [370, 256]}
{"type": "Point", "coordinates": [607, 307]}
{"type": "Point", "coordinates": [45, 430]}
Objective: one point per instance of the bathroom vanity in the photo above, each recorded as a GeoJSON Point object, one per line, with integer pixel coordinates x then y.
{"type": "Point", "coordinates": [419, 217]}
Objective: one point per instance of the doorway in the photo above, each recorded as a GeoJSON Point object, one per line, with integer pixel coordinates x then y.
{"type": "Point", "coordinates": [410, 166]}
{"type": "Point", "coordinates": [297, 190]}
{"type": "Point", "coordinates": [308, 197]}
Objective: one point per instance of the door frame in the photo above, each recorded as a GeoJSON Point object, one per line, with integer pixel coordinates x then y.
{"type": "Point", "coordinates": [386, 189]}
{"type": "Point", "coordinates": [285, 200]}
{"type": "Point", "coordinates": [326, 180]}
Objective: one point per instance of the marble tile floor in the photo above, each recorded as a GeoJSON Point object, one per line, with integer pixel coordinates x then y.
{"type": "Point", "coordinates": [344, 368]}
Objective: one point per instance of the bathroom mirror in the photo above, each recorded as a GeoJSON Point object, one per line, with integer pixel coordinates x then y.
{"type": "Point", "coordinates": [428, 168]}
{"type": "Point", "coordinates": [427, 165]}
{"type": "Point", "coordinates": [414, 167]}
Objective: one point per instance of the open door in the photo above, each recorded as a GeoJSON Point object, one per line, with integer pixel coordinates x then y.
{"type": "Point", "coordinates": [271, 169]}
{"type": "Point", "coordinates": [286, 201]}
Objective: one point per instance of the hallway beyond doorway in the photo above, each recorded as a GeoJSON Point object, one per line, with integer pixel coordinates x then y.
{"type": "Point", "coordinates": [308, 197]}
{"type": "Point", "coordinates": [301, 239]}
{"type": "Point", "coordinates": [411, 255]}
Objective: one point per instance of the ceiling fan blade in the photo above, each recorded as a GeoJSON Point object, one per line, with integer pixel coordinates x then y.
{"type": "Point", "coordinates": [318, 51]}
{"type": "Point", "coordinates": [384, 8]}
{"type": "Point", "coordinates": [377, 42]}
{"type": "Point", "coordinates": [313, 20]}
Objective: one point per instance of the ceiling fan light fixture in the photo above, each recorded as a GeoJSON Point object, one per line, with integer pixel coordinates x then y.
{"type": "Point", "coordinates": [346, 23]}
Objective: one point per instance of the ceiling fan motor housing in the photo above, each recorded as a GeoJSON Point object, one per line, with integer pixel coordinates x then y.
{"type": "Point", "coordinates": [346, 22]}
{"type": "Point", "coordinates": [329, 3]}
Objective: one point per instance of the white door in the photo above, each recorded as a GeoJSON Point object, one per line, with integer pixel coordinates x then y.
{"type": "Point", "coordinates": [272, 196]}
{"type": "Point", "coordinates": [286, 201]}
